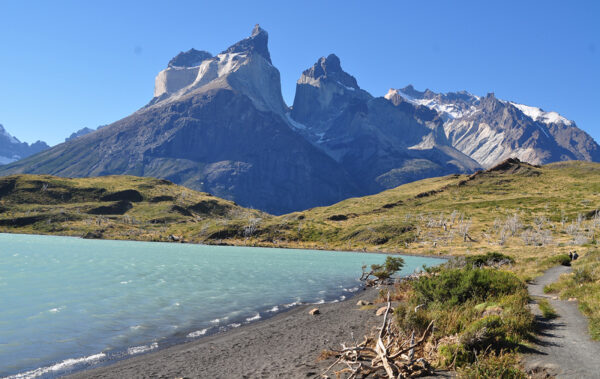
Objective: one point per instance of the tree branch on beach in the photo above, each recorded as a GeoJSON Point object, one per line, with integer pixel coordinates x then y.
{"type": "Point", "coordinates": [386, 356]}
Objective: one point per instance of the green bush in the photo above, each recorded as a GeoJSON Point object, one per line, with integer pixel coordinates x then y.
{"type": "Point", "coordinates": [455, 286]}
{"type": "Point", "coordinates": [454, 355]}
{"type": "Point", "coordinates": [409, 320]}
{"type": "Point", "coordinates": [389, 268]}
{"type": "Point", "coordinates": [561, 259]}
{"type": "Point", "coordinates": [488, 259]}
{"type": "Point", "coordinates": [482, 333]}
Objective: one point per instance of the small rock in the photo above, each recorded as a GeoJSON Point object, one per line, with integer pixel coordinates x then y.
{"type": "Point", "coordinates": [380, 311]}
{"type": "Point", "coordinates": [362, 303]}
{"type": "Point", "coordinates": [572, 299]}
{"type": "Point", "coordinates": [314, 311]}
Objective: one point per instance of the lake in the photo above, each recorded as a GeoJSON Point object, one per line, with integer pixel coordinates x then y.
{"type": "Point", "coordinates": [68, 303]}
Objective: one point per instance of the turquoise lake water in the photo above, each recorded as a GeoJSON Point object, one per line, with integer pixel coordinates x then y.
{"type": "Point", "coordinates": [69, 303]}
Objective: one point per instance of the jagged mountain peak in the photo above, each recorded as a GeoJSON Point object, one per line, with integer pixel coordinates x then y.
{"type": "Point", "coordinates": [190, 58]}
{"type": "Point", "coordinates": [244, 67]}
{"type": "Point", "coordinates": [11, 149]}
{"type": "Point", "coordinates": [329, 69]}
{"type": "Point", "coordinates": [257, 43]}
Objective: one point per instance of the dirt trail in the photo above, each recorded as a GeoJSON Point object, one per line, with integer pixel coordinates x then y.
{"type": "Point", "coordinates": [564, 347]}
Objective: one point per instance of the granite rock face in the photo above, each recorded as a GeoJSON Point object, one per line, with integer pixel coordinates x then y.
{"type": "Point", "coordinates": [382, 144]}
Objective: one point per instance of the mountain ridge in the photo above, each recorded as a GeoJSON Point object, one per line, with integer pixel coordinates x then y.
{"type": "Point", "coordinates": [220, 124]}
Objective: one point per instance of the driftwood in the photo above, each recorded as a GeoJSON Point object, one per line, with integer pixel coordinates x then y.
{"type": "Point", "coordinates": [384, 356]}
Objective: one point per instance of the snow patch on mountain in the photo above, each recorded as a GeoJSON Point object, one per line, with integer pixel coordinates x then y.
{"type": "Point", "coordinates": [538, 114]}
{"type": "Point", "coordinates": [448, 110]}
{"type": "Point", "coordinates": [7, 135]}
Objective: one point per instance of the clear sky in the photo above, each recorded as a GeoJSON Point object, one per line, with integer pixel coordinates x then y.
{"type": "Point", "coordinates": [70, 64]}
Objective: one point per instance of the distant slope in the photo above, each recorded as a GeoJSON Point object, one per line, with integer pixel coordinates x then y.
{"type": "Point", "coordinates": [116, 207]}
{"type": "Point", "coordinates": [428, 215]}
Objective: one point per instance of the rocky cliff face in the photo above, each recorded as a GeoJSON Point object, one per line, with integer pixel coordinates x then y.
{"type": "Point", "coordinates": [11, 149]}
{"type": "Point", "coordinates": [382, 144]}
{"type": "Point", "coordinates": [490, 130]}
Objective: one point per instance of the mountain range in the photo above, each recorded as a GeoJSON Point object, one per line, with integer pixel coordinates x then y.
{"type": "Point", "coordinates": [11, 149]}
{"type": "Point", "coordinates": [219, 124]}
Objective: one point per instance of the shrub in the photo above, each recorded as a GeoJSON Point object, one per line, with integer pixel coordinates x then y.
{"type": "Point", "coordinates": [562, 259]}
{"type": "Point", "coordinates": [389, 268]}
{"type": "Point", "coordinates": [454, 355]}
{"type": "Point", "coordinates": [489, 259]}
{"type": "Point", "coordinates": [455, 286]}
{"type": "Point", "coordinates": [482, 333]}
{"type": "Point", "coordinates": [409, 320]}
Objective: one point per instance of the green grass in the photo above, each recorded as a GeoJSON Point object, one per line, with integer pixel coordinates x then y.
{"type": "Point", "coordinates": [546, 308]}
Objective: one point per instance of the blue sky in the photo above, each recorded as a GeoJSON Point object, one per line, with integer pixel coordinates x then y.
{"type": "Point", "coordinates": [70, 64]}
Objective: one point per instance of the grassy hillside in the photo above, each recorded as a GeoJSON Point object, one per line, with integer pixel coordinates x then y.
{"type": "Point", "coordinates": [116, 207]}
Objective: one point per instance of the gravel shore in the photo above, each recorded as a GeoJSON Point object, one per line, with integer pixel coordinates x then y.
{"type": "Point", "coordinates": [284, 346]}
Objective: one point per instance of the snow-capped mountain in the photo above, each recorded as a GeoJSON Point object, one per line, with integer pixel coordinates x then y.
{"type": "Point", "coordinates": [218, 123]}
{"type": "Point", "coordinates": [490, 130]}
{"type": "Point", "coordinates": [11, 149]}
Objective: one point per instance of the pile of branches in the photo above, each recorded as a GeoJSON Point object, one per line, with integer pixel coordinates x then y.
{"type": "Point", "coordinates": [390, 355]}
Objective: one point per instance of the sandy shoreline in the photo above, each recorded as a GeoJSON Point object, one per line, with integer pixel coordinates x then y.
{"type": "Point", "coordinates": [284, 346]}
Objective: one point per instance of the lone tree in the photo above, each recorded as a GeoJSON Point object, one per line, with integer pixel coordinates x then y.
{"type": "Point", "coordinates": [383, 271]}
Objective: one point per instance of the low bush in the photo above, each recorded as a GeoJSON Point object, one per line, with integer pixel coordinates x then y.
{"type": "Point", "coordinates": [478, 313]}
{"type": "Point", "coordinates": [455, 286]}
{"type": "Point", "coordinates": [561, 259]}
{"type": "Point", "coordinates": [489, 259]}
